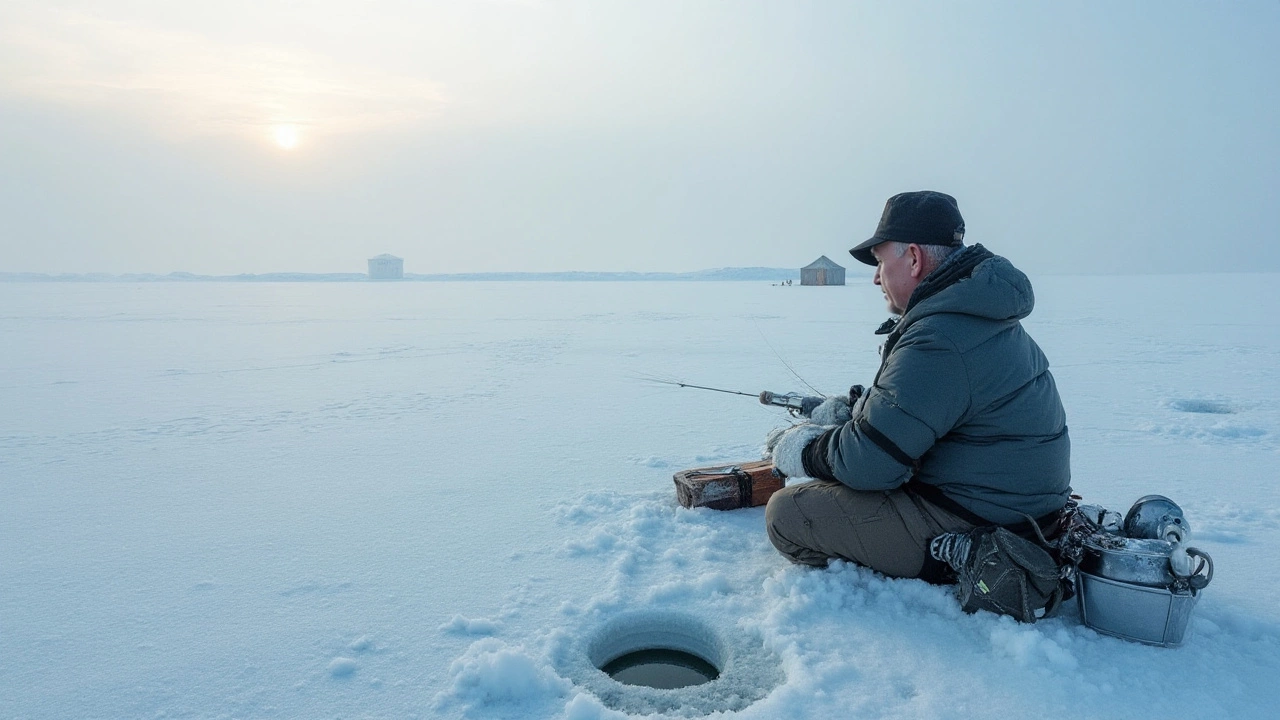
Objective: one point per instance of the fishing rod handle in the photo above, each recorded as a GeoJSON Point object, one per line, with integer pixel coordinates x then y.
{"type": "Point", "coordinates": [789, 400]}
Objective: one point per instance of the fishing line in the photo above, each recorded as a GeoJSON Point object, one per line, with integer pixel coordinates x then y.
{"type": "Point", "coordinates": [783, 361]}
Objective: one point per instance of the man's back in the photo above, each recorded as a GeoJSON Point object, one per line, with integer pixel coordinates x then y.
{"type": "Point", "coordinates": [1002, 447]}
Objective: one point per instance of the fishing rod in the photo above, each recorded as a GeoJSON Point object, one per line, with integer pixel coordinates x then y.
{"type": "Point", "coordinates": [795, 403]}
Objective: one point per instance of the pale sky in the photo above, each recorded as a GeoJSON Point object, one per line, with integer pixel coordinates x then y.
{"type": "Point", "coordinates": [489, 135]}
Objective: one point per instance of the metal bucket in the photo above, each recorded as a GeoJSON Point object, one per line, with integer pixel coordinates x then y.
{"type": "Point", "coordinates": [1141, 562]}
{"type": "Point", "coordinates": [1150, 615]}
{"type": "Point", "coordinates": [1139, 582]}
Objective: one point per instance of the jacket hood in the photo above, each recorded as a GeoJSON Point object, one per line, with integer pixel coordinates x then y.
{"type": "Point", "coordinates": [990, 288]}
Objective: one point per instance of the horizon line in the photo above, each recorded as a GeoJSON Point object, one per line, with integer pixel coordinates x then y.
{"type": "Point", "coordinates": [723, 273]}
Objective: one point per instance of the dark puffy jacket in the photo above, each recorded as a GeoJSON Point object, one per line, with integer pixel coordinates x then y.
{"type": "Point", "coordinates": [964, 406]}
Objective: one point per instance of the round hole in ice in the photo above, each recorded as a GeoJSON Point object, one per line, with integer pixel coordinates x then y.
{"type": "Point", "coordinates": [678, 637]}
{"type": "Point", "coordinates": [672, 662]}
{"type": "Point", "coordinates": [1210, 407]}
{"type": "Point", "coordinates": [662, 668]}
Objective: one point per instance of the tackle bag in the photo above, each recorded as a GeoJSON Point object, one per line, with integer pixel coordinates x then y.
{"type": "Point", "coordinates": [1006, 574]}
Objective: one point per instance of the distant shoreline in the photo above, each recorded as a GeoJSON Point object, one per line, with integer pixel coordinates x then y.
{"type": "Point", "coordinates": [751, 274]}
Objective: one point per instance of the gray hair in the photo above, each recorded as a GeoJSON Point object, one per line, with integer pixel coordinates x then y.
{"type": "Point", "coordinates": [935, 254]}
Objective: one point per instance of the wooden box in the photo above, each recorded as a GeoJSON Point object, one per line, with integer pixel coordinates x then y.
{"type": "Point", "coordinates": [727, 487]}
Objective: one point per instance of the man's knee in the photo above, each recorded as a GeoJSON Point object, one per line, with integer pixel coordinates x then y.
{"type": "Point", "coordinates": [777, 513]}
{"type": "Point", "coordinates": [790, 530]}
{"type": "Point", "coordinates": [780, 519]}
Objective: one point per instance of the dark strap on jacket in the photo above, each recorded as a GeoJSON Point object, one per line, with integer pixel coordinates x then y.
{"type": "Point", "coordinates": [1022, 529]}
{"type": "Point", "coordinates": [814, 457]}
{"type": "Point", "coordinates": [883, 442]}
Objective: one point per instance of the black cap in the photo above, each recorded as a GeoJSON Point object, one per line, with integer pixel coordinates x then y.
{"type": "Point", "coordinates": [923, 217]}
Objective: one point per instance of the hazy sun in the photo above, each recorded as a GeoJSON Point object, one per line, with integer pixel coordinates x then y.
{"type": "Point", "coordinates": [286, 136]}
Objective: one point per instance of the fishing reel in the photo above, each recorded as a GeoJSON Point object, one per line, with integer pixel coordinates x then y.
{"type": "Point", "coordinates": [804, 405]}
{"type": "Point", "coordinates": [796, 404]}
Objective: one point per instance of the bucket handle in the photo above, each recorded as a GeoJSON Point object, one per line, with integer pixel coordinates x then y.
{"type": "Point", "coordinates": [1198, 581]}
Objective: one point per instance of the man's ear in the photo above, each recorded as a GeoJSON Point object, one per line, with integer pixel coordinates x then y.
{"type": "Point", "coordinates": [917, 261]}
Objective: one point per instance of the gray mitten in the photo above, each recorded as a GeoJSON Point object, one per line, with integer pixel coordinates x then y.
{"type": "Point", "coordinates": [771, 440]}
{"type": "Point", "coordinates": [833, 411]}
{"type": "Point", "coordinates": [790, 447]}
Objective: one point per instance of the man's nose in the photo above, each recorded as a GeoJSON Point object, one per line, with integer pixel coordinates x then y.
{"type": "Point", "coordinates": [876, 277]}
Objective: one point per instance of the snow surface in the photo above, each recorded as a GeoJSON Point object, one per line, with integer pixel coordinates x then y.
{"type": "Point", "coordinates": [435, 500]}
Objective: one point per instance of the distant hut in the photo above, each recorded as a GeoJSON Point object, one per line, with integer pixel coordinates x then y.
{"type": "Point", "coordinates": [822, 272]}
{"type": "Point", "coordinates": [390, 267]}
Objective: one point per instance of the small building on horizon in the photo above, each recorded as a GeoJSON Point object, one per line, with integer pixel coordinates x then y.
{"type": "Point", "coordinates": [822, 272]}
{"type": "Point", "coordinates": [389, 267]}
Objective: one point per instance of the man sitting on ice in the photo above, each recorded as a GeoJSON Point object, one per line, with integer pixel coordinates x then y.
{"type": "Point", "coordinates": [962, 426]}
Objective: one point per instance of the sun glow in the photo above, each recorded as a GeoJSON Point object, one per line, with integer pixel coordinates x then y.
{"type": "Point", "coordinates": [286, 136]}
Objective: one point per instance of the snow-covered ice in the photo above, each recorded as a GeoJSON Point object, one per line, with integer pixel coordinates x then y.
{"type": "Point", "coordinates": [430, 499]}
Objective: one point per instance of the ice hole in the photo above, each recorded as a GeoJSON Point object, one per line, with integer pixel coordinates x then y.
{"type": "Point", "coordinates": [646, 662]}
{"type": "Point", "coordinates": [1209, 407]}
{"type": "Point", "coordinates": [661, 650]}
{"type": "Point", "coordinates": [661, 668]}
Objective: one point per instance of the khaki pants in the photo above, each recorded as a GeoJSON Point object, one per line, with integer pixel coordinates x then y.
{"type": "Point", "coordinates": [885, 530]}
